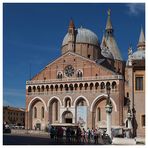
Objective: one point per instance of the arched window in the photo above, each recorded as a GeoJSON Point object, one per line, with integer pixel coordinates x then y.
{"type": "Point", "coordinates": [56, 107]}
{"type": "Point", "coordinates": [35, 112]}
{"type": "Point", "coordinates": [102, 85]}
{"type": "Point", "coordinates": [56, 87]}
{"type": "Point", "coordinates": [61, 87]}
{"type": "Point", "coordinates": [42, 112]}
{"type": "Point", "coordinates": [91, 86]}
{"type": "Point", "coordinates": [66, 87]}
{"type": "Point", "coordinates": [51, 87]}
{"type": "Point", "coordinates": [99, 114]}
{"type": "Point", "coordinates": [42, 88]}
{"type": "Point", "coordinates": [47, 87]}
{"type": "Point", "coordinates": [71, 87]}
{"type": "Point", "coordinates": [107, 84]}
{"type": "Point", "coordinates": [76, 86]}
{"type": "Point", "coordinates": [96, 85]}
{"type": "Point", "coordinates": [79, 73]}
{"type": "Point", "coordinates": [59, 76]}
{"type": "Point", "coordinates": [114, 85]}
{"type": "Point", "coordinates": [81, 85]}
{"type": "Point", "coordinates": [29, 89]}
{"type": "Point", "coordinates": [127, 94]}
{"type": "Point", "coordinates": [67, 102]}
{"type": "Point", "coordinates": [38, 87]}
{"type": "Point", "coordinates": [86, 85]}
{"type": "Point", "coordinates": [81, 102]}
{"type": "Point", "coordinates": [34, 88]}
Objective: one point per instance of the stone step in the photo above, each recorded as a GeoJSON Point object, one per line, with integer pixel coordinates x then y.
{"type": "Point", "coordinates": [123, 141]}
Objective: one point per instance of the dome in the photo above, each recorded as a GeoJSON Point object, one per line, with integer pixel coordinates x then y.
{"type": "Point", "coordinates": [83, 35]}
{"type": "Point", "coordinates": [138, 55]}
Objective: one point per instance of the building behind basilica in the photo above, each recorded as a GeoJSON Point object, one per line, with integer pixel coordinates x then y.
{"type": "Point", "coordinates": [71, 90]}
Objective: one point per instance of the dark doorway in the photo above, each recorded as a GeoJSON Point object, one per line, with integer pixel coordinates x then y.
{"type": "Point", "coordinates": [67, 117]}
{"type": "Point", "coordinates": [38, 126]}
{"type": "Point", "coordinates": [68, 120]}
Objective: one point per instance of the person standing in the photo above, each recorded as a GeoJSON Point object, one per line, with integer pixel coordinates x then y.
{"type": "Point", "coordinates": [83, 136]}
{"type": "Point", "coordinates": [78, 135]}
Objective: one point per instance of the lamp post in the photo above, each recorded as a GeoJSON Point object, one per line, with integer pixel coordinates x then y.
{"type": "Point", "coordinates": [129, 117]}
{"type": "Point", "coordinates": [108, 108]}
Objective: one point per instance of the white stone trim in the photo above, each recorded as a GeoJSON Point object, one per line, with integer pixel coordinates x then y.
{"type": "Point", "coordinates": [70, 110]}
{"type": "Point", "coordinates": [99, 97]}
{"type": "Point", "coordinates": [79, 70]}
{"type": "Point", "coordinates": [39, 98]}
{"type": "Point", "coordinates": [54, 97]}
{"type": "Point", "coordinates": [74, 104]}
{"type": "Point", "coordinates": [60, 72]}
{"type": "Point", "coordinates": [38, 121]}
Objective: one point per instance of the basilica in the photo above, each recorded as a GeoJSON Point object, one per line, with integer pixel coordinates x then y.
{"type": "Point", "coordinates": [71, 90]}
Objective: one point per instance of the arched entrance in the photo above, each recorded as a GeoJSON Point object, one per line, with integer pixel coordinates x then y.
{"type": "Point", "coordinates": [99, 113]}
{"type": "Point", "coordinates": [54, 108]}
{"type": "Point", "coordinates": [67, 117]}
{"type": "Point", "coordinates": [36, 112]}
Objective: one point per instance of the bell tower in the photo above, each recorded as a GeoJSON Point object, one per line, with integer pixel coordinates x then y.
{"type": "Point", "coordinates": [71, 36]}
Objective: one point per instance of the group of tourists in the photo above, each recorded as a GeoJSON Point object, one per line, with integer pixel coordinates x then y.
{"type": "Point", "coordinates": [71, 135]}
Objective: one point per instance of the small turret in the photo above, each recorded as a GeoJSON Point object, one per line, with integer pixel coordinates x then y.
{"type": "Point", "coordinates": [140, 53]}
{"type": "Point", "coordinates": [71, 36]}
{"type": "Point", "coordinates": [71, 26]}
{"type": "Point", "coordinates": [109, 28]}
{"type": "Point", "coordinates": [141, 43]}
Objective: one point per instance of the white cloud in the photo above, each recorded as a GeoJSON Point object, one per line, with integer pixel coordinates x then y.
{"type": "Point", "coordinates": [136, 8]}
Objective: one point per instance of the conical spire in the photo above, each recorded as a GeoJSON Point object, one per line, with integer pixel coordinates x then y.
{"type": "Point", "coordinates": [103, 43]}
{"type": "Point", "coordinates": [71, 24]}
{"type": "Point", "coordinates": [71, 36]}
{"type": "Point", "coordinates": [109, 24]}
{"type": "Point", "coordinates": [141, 43]}
{"type": "Point", "coordinates": [141, 38]}
{"type": "Point", "coordinates": [110, 39]}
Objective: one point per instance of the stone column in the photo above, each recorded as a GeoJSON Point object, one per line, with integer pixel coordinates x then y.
{"type": "Point", "coordinates": [26, 120]}
{"type": "Point", "coordinates": [108, 114]}
{"type": "Point", "coordinates": [73, 113]}
{"type": "Point", "coordinates": [90, 122]}
{"type": "Point", "coordinates": [62, 109]}
{"type": "Point", "coordinates": [46, 117]}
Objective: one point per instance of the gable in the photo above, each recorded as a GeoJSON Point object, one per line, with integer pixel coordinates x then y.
{"type": "Point", "coordinates": [89, 68]}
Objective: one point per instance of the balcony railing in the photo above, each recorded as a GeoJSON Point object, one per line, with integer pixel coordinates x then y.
{"type": "Point", "coordinates": [96, 78]}
{"type": "Point", "coordinates": [71, 92]}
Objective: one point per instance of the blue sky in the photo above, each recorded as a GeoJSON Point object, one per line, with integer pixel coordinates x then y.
{"type": "Point", "coordinates": [33, 34]}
